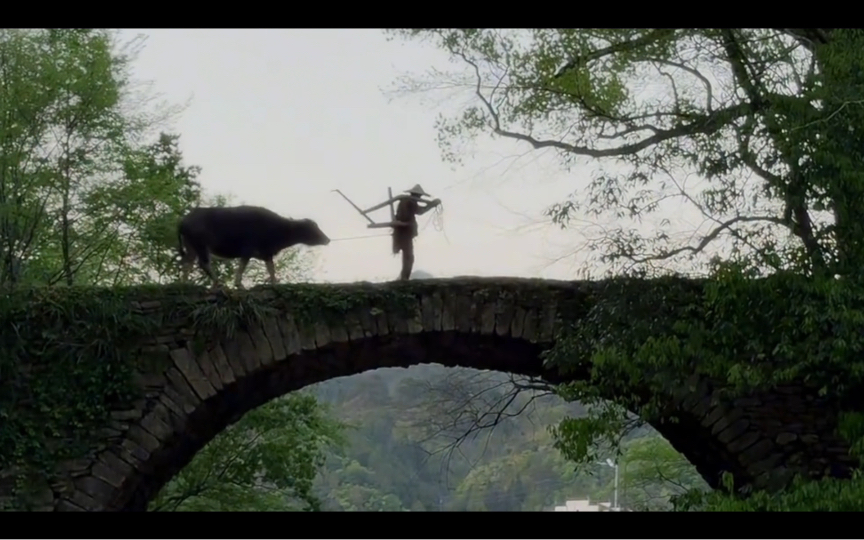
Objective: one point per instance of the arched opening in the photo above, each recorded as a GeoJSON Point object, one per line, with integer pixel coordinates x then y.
{"type": "Point", "coordinates": [201, 423]}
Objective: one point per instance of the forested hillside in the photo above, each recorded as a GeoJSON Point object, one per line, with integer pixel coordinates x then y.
{"type": "Point", "coordinates": [400, 452]}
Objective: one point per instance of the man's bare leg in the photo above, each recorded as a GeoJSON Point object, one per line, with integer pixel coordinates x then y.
{"type": "Point", "coordinates": [238, 274]}
{"type": "Point", "coordinates": [271, 269]}
{"type": "Point", "coordinates": [407, 260]}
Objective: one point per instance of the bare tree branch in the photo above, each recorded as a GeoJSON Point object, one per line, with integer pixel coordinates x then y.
{"type": "Point", "coordinates": [615, 48]}
{"type": "Point", "coordinates": [705, 124]}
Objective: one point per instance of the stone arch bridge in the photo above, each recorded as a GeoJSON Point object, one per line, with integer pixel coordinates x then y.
{"type": "Point", "coordinates": [485, 323]}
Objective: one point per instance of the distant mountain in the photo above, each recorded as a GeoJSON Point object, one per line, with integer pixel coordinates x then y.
{"type": "Point", "coordinates": [421, 274]}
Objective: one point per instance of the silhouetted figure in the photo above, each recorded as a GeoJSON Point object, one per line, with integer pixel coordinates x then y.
{"type": "Point", "coordinates": [405, 225]}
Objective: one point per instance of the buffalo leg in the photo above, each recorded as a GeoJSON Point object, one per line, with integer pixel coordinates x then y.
{"type": "Point", "coordinates": [186, 270]}
{"type": "Point", "coordinates": [187, 260]}
{"type": "Point", "coordinates": [204, 264]}
{"type": "Point", "coordinates": [238, 275]}
{"type": "Point", "coordinates": [271, 269]}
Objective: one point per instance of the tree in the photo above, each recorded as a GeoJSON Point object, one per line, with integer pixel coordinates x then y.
{"type": "Point", "coordinates": [67, 125]}
{"type": "Point", "coordinates": [267, 461]}
{"type": "Point", "coordinates": [765, 118]}
{"type": "Point", "coordinates": [88, 197]}
{"type": "Point", "coordinates": [652, 474]}
{"type": "Point", "coordinates": [768, 123]}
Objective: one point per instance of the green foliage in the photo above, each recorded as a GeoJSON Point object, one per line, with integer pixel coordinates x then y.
{"type": "Point", "coordinates": [654, 475]}
{"type": "Point", "coordinates": [89, 198]}
{"type": "Point", "coordinates": [828, 495]}
{"type": "Point", "coordinates": [399, 446]}
{"type": "Point", "coordinates": [67, 360]}
{"type": "Point", "coordinates": [780, 173]}
{"type": "Point", "coordinates": [644, 342]}
{"type": "Point", "coordinates": [311, 303]}
{"type": "Point", "coordinates": [267, 461]}
{"type": "Point", "coordinates": [776, 152]}
{"type": "Point", "coordinates": [67, 128]}
{"type": "Point", "coordinates": [63, 368]}
{"type": "Point", "coordinates": [774, 148]}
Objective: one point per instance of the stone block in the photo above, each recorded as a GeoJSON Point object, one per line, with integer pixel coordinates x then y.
{"type": "Point", "coordinates": [487, 317]}
{"type": "Point", "coordinates": [747, 402]}
{"type": "Point", "coordinates": [322, 334]}
{"type": "Point", "coordinates": [128, 414]}
{"type": "Point", "coordinates": [463, 313]}
{"type": "Point", "coordinates": [730, 417]}
{"type": "Point", "coordinates": [178, 383]}
{"type": "Point", "coordinates": [110, 459]}
{"type": "Point", "coordinates": [234, 354]}
{"type": "Point", "coordinates": [157, 423]}
{"type": "Point", "coordinates": [85, 501]}
{"type": "Point", "coordinates": [530, 326]}
{"type": "Point", "coordinates": [430, 312]}
{"type": "Point", "coordinates": [414, 320]}
{"type": "Point", "coordinates": [765, 465]}
{"type": "Point", "coordinates": [188, 367]}
{"type": "Point", "coordinates": [270, 329]}
{"type": "Point", "coordinates": [785, 438]}
{"type": "Point", "coordinates": [756, 452]}
{"type": "Point", "coordinates": [134, 455]}
{"type": "Point", "coordinates": [448, 312]}
{"type": "Point", "coordinates": [504, 311]}
{"type": "Point", "coordinates": [547, 321]}
{"type": "Point", "coordinates": [205, 362]}
{"type": "Point", "coordinates": [98, 490]}
{"type": "Point", "coordinates": [700, 409]}
{"type": "Point", "coordinates": [517, 325]}
{"type": "Point", "coordinates": [172, 395]}
{"type": "Point", "coordinates": [220, 362]}
{"type": "Point", "coordinates": [249, 354]}
{"type": "Point", "coordinates": [290, 334]}
{"type": "Point", "coordinates": [744, 442]}
{"type": "Point", "coordinates": [367, 322]}
{"type": "Point", "coordinates": [735, 430]}
{"type": "Point", "coordinates": [66, 506]}
{"type": "Point", "coordinates": [353, 327]}
{"type": "Point", "coordinates": [108, 475]}
{"type": "Point", "coordinates": [177, 416]}
{"type": "Point", "coordinates": [143, 439]}
{"type": "Point", "coordinates": [339, 331]}
{"type": "Point", "coordinates": [479, 299]}
{"type": "Point", "coordinates": [382, 321]}
{"type": "Point", "coordinates": [75, 466]}
{"type": "Point", "coordinates": [398, 323]}
{"type": "Point", "coordinates": [262, 344]}
{"type": "Point", "coordinates": [307, 336]}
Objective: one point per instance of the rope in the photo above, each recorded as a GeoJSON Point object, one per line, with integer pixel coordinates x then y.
{"type": "Point", "coordinates": [438, 218]}
{"type": "Point", "coordinates": [438, 221]}
{"type": "Point", "coordinates": [358, 237]}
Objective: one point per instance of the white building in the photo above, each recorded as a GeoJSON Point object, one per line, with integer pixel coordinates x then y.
{"type": "Point", "coordinates": [584, 505]}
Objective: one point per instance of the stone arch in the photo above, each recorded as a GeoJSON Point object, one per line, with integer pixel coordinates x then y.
{"type": "Point", "coordinates": [499, 324]}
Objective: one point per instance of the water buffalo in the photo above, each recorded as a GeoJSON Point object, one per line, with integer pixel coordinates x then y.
{"type": "Point", "coordinates": [240, 232]}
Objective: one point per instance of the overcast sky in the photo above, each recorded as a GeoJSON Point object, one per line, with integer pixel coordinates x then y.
{"type": "Point", "coordinates": [279, 118]}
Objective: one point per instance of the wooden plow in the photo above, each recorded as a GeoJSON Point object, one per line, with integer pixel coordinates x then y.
{"type": "Point", "coordinates": [365, 213]}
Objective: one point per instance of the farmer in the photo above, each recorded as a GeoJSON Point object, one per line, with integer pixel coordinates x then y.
{"type": "Point", "coordinates": [405, 224]}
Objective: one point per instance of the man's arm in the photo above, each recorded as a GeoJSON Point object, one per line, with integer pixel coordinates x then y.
{"type": "Point", "coordinates": [385, 203]}
{"type": "Point", "coordinates": [429, 206]}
